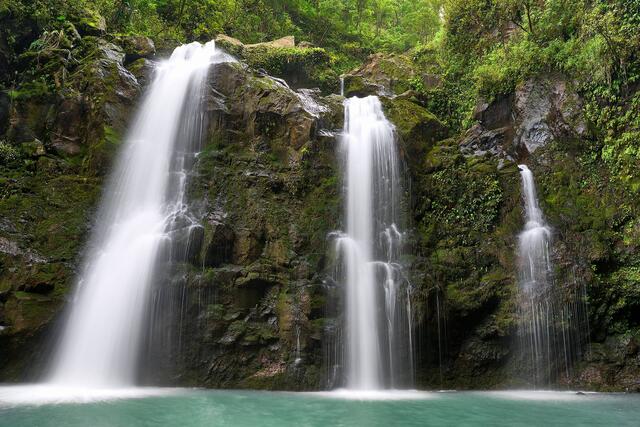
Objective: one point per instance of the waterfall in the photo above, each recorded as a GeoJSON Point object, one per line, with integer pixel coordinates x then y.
{"type": "Point", "coordinates": [553, 319]}
{"type": "Point", "coordinates": [535, 267]}
{"type": "Point", "coordinates": [377, 310]}
{"type": "Point", "coordinates": [144, 199]}
{"type": "Point", "coordinates": [536, 302]}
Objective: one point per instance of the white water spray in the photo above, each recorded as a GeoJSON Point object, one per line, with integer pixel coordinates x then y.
{"type": "Point", "coordinates": [101, 341]}
{"type": "Point", "coordinates": [554, 327]}
{"type": "Point", "coordinates": [535, 266]}
{"type": "Point", "coordinates": [378, 353]}
{"type": "Point", "coordinates": [536, 306]}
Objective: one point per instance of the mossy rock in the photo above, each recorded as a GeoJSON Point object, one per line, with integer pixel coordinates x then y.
{"type": "Point", "coordinates": [380, 74]}
{"type": "Point", "coordinates": [300, 67]}
{"type": "Point", "coordinates": [417, 128]}
{"type": "Point", "coordinates": [89, 22]}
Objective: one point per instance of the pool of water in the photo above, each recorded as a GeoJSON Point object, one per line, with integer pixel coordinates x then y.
{"type": "Point", "coordinates": [41, 406]}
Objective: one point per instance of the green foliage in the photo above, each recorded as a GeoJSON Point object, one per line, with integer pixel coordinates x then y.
{"type": "Point", "coordinates": [8, 154]}
{"type": "Point", "coordinates": [279, 61]}
{"type": "Point", "coordinates": [463, 198]}
{"type": "Point", "coordinates": [351, 28]}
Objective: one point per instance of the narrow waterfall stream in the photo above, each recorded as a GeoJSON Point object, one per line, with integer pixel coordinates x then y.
{"type": "Point", "coordinates": [536, 293]}
{"type": "Point", "coordinates": [144, 199]}
{"type": "Point", "coordinates": [534, 241]}
{"type": "Point", "coordinates": [377, 349]}
{"type": "Point", "coordinates": [553, 325]}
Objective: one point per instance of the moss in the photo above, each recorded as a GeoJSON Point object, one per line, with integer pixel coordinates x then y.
{"type": "Point", "coordinates": [299, 66]}
{"type": "Point", "coordinates": [417, 128]}
{"type": "Point", "coordinates": [356, 86]}
{"type": "Point", "coordinates": [259, 333]}
{"type": "Point", "coordinates": [464, 202]}
{"type": "Point", "coordinates": [35, 89]}
{"type": "Point", "coordinates": [100, 154]}
{"type": "Point", "coordinates": [9, 155]}
{"type": "Point", "coordinates": [89, 21]}
{"type": "Point", "coordinates": [28, 312]}
{"type": "Point", "coordinates": [320, 215]}
{"type": "Point", "coordinates": [468, 214]}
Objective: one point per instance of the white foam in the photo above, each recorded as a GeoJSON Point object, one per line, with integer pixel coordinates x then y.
{"type": "Point", "coordinates": [391, 394]}
{"type": "Point", "coordinates": [537, 394]}
{"type": "Point", "coordinates": [47, 394]}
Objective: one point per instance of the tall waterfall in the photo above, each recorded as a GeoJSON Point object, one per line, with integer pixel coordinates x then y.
{"type": "Point", "coordinates": [553, 318]}
{"type": "Point", "coordinates": [144, 196]}
{"type": "Point", "coordinates": [378, 350]}
{"type": "Point", "coordinates": [536, 299]}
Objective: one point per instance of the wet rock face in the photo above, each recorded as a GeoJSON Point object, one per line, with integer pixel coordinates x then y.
{"type": "Point", "coordinates": [87, 114]}
{"type": "Point", "coordinates": [480, 142]}
{"type": "Point", "coordinates": [265, 191]}
{"type": "Point", "coordinates": [610, 365]}
{"type": "Point", "coordinates": [5, 109]}
{"type": "Point", "coordinates": [65, 135]}
{"type": "Point", "coordinates": [541, 110]}
{"type": "Point", "coordinates": [264, 107]}
{"type": "Point", "coordinates": [547, 109]}
{"type": "Point", "coordinates": [417, 129]}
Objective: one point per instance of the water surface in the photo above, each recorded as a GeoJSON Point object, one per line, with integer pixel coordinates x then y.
{"type": "Point", "coordinates": [183, 407]}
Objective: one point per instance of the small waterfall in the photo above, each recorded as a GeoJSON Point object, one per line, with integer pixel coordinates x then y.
{"type": "Point", "coordinates": [535, 267]}
{"type": "Point", "coordinates": [144, 204]}
{"type": "Point", "coordinates": [378, 350]}
{"type": "Point", "coordinates": [536, 296]}
{"type": "Point", "coordinates": [553, 319]}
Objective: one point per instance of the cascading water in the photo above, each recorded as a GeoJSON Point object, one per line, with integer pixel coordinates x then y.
{"type": "Point", "coordinates": [144, 199]}
{"type": "Point", "coordinates": [535, 266]}
{"type": "Point", "coordinates": [553, 319]}
{"type": "Point", "coordinates": [378, 350]}
{"type": "Point", "coordinates": [536, 302]}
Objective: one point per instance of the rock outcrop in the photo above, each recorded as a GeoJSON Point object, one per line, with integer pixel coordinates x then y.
{"type": "Point", "coordinates": [382, 74]}
{"type": "Point", "coordinates": [265, 190]}
{"type": "Point", "coordinates": [64, 132]}
{"type": "Point", "coordinates": [300, 66]}
{"type": "Point", "coordinates": [541, 110]}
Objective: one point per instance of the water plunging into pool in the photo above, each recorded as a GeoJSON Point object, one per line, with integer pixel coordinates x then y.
{"type": "Point", "coordinates": [377, 346]}
{"type": "Point", "coordinates": [144, 198]}
{"type": "Point", "coordinates": [553, 327]}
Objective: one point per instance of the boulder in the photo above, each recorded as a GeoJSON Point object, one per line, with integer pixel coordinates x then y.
{"type": "Point", "coordinates": [229, 44]}
{"type": "Point", "coordinates": [136, 47]}
{"type": "Point", "coordinates": [142, 69]}
{"type": "Point", "coordinates": [417, 128]}
{"type": "Point", "coordinates": [302, 66]}
{"type": "Point", "coordinates": [380, 74]}
{"type": "Point", "coordinates": [264, 107]}
{"type": "Point", "coordinates": [225, 39]}
{"type": "Point", "coordinates": [288, 41]}
{"type": "Point", "coordinates": [89, 22]}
